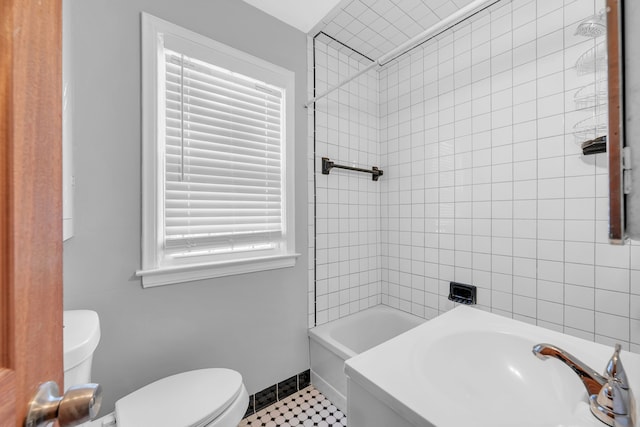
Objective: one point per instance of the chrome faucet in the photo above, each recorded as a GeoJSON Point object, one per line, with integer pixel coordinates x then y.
{"type": "Point", "coordinates": [592, 380]}
{"type": "Point", "coordinates": [610, 396]}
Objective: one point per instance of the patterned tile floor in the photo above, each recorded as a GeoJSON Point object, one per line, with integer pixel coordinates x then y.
{"type": "Point", "coordinates": [306, 408]}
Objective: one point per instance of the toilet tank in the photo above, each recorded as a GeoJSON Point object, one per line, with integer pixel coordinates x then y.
{"type": "Point", "coordinates": [81, 335]}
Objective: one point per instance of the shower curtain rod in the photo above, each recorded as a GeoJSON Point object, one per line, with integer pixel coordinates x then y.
{"type": "Point", "coordinates": [467, 11]}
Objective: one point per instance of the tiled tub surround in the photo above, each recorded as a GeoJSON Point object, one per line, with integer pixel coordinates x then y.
{"type": "Point", "coordinates": [487, 183]}
{"type": "Point", "coordinates": [484, 180]}
{"type": "Point", "coordinates": [347, 204]}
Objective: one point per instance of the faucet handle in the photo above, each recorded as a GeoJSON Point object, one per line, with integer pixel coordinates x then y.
{"type": "Point", "coordinates": [614, 405]}
{"type": "Point", "coordinates": [615, 369]}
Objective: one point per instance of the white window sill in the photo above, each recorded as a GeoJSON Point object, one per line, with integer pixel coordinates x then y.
{"type": "Point", "coordinates": [187, 273]}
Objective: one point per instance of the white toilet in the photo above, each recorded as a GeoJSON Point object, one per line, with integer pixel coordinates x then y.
{"type": "Point", "coordinates": [202, 398]}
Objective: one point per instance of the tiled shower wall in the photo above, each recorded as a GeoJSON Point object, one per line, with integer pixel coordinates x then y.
{"type": "Point", "coordinates": [487, 183]}
{"type": "Point", "coordinates": [346, 242]}
{"type": "Point", "coordinates": [484, 179]}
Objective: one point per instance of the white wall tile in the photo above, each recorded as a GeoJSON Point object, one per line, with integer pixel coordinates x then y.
{"type": "Point", "coordinates": [550, 312]}
{"type": "Point", "coordinates": [635, 334]}
{"type": "Point", "coordinates": [611, 302]}
{"type": "Point", "coordinates": [579, 296]}
{"type": "Point", "coordinates": [525, 286]}
{"type": "Point", "coordinates": [579, 252]}
{"type": "Point", "coordinates": [613, 256]}
{"type": "Point", "coordinates": [550, 291]}
{"type": "Point", "coordinates": [579, 318]}
{"type": "Point", "coordinates": [484, 180]}
{"type": "Point", "coordinates": [615, 327]}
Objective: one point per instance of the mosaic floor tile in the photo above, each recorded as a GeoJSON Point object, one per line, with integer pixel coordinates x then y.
{"type": "Point", "coordinates": [305, 408]}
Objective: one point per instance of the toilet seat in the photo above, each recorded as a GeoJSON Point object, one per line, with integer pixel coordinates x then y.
{"type": "Point", "coordinates": [188, 399]}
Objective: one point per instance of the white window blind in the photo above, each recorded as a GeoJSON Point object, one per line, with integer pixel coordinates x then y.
{"type": "Point", "coordinates": [223, 160]}
{"type": "Point", "coordinates": [218, 190]}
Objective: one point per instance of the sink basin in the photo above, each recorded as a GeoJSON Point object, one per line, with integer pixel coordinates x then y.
{"type": "Point", "coordinates": [471, 368]}
{"type": "Point", "coordinates": [495, 373]}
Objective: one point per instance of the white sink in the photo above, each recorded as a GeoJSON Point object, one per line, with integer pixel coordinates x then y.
{"type": "Point", "coordinates": [495, 370]}
{"type": "Point", "coordinates": [471, 368]}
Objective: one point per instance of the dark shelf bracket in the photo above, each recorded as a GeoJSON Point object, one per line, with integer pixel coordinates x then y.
{"type": "Point", "coordinates": [327, 165]}
{"type": "Point", "coordinates": [595, 146]}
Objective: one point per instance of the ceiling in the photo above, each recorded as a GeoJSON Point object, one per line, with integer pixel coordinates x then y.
{"type": "Point", "coordinates": [302, 14]}
{"type": "Point", "coordinates": [370, 27]}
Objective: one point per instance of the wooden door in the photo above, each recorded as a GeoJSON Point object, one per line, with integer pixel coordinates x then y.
{"type": "Point", "coordinates": [30, 202]}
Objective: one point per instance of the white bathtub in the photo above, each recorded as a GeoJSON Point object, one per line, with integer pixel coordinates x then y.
{"type": "Point", "coordinates": [334, 342]}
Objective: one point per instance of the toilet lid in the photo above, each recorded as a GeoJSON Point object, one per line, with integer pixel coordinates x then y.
{"type": "Point", "coordinates": [189, 399]}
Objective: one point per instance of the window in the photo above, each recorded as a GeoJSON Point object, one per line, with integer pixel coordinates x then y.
{"type": "Point", "coordinates": [217, 153]}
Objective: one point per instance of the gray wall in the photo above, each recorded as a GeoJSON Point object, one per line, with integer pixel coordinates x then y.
{"type": "Point", "coordinates": [254, 323]}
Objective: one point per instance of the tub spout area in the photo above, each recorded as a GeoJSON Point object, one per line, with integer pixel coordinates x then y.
{"type": "Point", "coordinates": [592, 380]}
